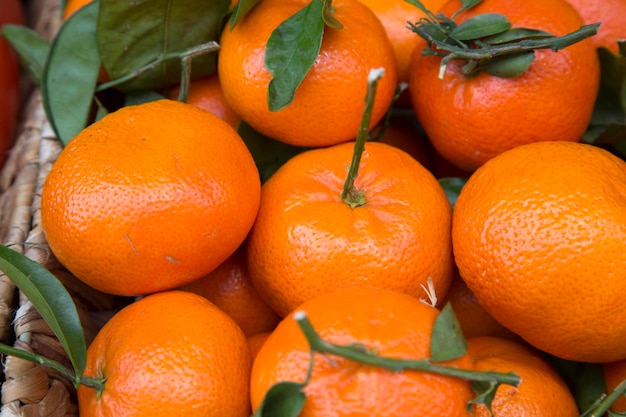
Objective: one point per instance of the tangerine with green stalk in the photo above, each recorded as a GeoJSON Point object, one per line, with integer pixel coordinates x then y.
{"type": "Point", "coordinates": [488, 78]}
{"type": "Point", "coordinates": [355, 214]}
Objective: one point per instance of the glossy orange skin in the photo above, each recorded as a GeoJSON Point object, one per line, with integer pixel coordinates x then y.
{"type": "Point", "coordinates": [230, 288]}
{"type": "Point", "coordinates": [394, 15]}
{"type": "Point", "coordinates": [611, 14]}
{"type": "Point", "coordinates": [172, 353]}
{"type": "Point", "coordinates": [149, 198]}
{"type": "Point", "coordinates": [389, 323]}
{"type": "Point", "coordinates": [614, 374]}
{"type": "Point", "coordinates": [306, 241]}
{"type": "Point", "coordinates": [471, 120]}
{"type": "Point", "coordinates": [329, 103]}
{"type": "Point", "coordinates": [472, 317]}
{"type": "Point", "coordinates": [11, 12]}
{"type": "Point", "coordinates": [207, 94]}
{"type": "Point", "coordinates": [539, 236]}
{"type": "Point", "coordinates": [542, 391]}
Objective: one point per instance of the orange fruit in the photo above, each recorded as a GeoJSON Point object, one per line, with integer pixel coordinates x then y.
{"type": "Point", "coordinates": [472, 317]}
{"type": "Point", "coordinates": [394, 15]}
{"type": "Point", "coordinates": [306, 241]}
{"type": "Point", "coordinates": [403, 133]}
{"type": "Point", "coordinates": [207, 94]}
{"type": "Point", "coordinates": [469, 120]}
{"type": "Point", "coordinates": [149, 198]}
{"type": "Point", "coordinates": [229, 287]}
{"type": "Point", "coordinates": [11, 12]}
{"type": "Point", "coordinates": [389, 323]}
{"type": "Point", "coordinates": [614, 374]}
{"type": "Point", "coordinates": [172, 353]}
{"type": "Point", "coordinates": [539, 234]}
{"type": "Point", "coordinates": [329, 103]}
{"type": "Point", "coordinates": [611, 14]}
{"type": "Point", "coordinates": [542, 391]}
{"type": "Point", "coordinates": [256, 342]}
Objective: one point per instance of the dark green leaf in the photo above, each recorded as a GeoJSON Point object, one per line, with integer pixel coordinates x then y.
{"type": "Point", "coordinates": [51, 300]}
{"type": "Point", "coordinates": [468, 4]}
{"type": "Point", "coordinates": [419, 5]}
{"type": "Point", "coordinates": [515, 35]}
{"type": "Point", "coordinates": [329, 19]}
{"type": "Point", "coordinates": [485, 393]}
{"type": "Point", "coordinates": [452, 186]}
{"type": "Point", "coordinates": [31, 48]}
{"type": "Point", "coordinates": [616, 414]}
{"type": "Point", "coordinates": [585, 380]}
{"type": "Point", "coordinates": [447, 340]}
{"type": "Point", "coordinates": [71, 73]}
{"type": "Point", "coordinates": [508, 66]}
{"type": "Point", "coordinates": [284, 399]}
{"type": "Point", "coordinates": [291, 51]}
{"type": "Point", "coordinates": [240, 10]}
{"type": "Point", "coordinates": [139, 97]}
{"type": "Point", "coordinates": [152, 36]}
{"type": "Point", "coordinates": [268, 154]}
{"type": "Point", "coordinates": [481, 25]}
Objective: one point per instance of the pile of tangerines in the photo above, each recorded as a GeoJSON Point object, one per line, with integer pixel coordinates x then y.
{"type": "Point", "coordinates": [165, 202]}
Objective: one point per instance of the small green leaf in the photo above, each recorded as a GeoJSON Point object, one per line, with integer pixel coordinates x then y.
{"type": "Point", "coordinates": [31, 48]}
{"type": "Point", "coordinates": [140, 97]}
{"type": "Point", "coordinates": [268, 154]}
{"type": "Point", "coordinates": [52, 301]}
{"type": "Point", "coordinates": [419, 5]}
{"type": "Point", "coordinates": [329, 19]}
{"type": "Point", "coordinates": [135, 34]}
{"type": "Point", "coordinates": [479, 26]}
{"type": "Point", "coordinates": [447, 340]}
{"type": "Point", "coordinates": [452, 186]}
{"type": "Point", "coordinates": [291, 52]}
{"type": "Point", "coordinates": [508, 66]}
{"type": "Point", "coordinates": [71, 73]}
{"type": "Point", "coordinates": [585, 380]}
{"type": "Point", "coordinates": [516, 34]}
{"type": "Point", "coordinates": [284, 399]}
{"type": "Point", "coordinates": [468, 4]}
{"type": "Point", "coordinates": [485, 393]}
{"type": "Point", "coordinates": [240, 10]}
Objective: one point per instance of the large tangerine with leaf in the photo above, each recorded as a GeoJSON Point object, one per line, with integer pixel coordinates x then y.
{"type": "Point", "coordinates": [472, 118]}
{"type": "Point", "coordinates": [389, 323]}
{"type": "Point", "coordinates": [391, 231]}
{"type": "Point", "coordinates": [171, 353]}
{"type": "Point", "coordinates": [328, 104]}
{"type": "Point", "coordinates": [539, 236]}
{"type": "Point", "coordinates": [150, 197]}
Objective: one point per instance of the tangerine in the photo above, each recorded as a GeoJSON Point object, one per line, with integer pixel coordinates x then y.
{"type": "Point", "coordinates": [469, 120]}
{"type": "Point", "coordinates": [150, 197]}
{"type": "Point", "coordinates": [333, 89]}
{"type": "Point", "coordinates": [539, 236]}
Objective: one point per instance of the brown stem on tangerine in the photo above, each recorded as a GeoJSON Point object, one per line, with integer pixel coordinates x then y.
{"type": "Point", "coordinates": [351, 195]}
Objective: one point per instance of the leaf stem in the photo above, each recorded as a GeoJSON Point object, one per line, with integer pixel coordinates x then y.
{"type": "Point", "coordinates": [41, 360]}
{"type": "Point", "coordinates": [600, 408]}
{"type": "Point", "coordinates": [350, 195]}
{"type": "Point", "coordinates": [394, 364]}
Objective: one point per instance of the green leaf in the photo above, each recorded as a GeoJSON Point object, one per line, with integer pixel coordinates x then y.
{"type": "Point", "coordinates": [447, 340]}
{"type": "Point", "coordinates": [515, 35]}
{"type": "Point", "coordinates": [585, 380]}
{"type": "Point", "coordinates": [268, 154]}
{"type": "Point", "coordinates": [140, 97]}
{"type": "Point", "coordinates": [71, 73]}
{"type": "Point", "coordinates": [508, 66]}
{"type": "Point", "coordinates": [419, 5]}
{"type": "Point", "coordinates": [329, 19]}
{"type": "Point", "coordinates": [479, 26]}
{"type": "Point", "coordinates": [468, 4]}
{"type": "Point", "coordinates": [485, 393]}
{"type": "Point", "coordinates": [452, 186]}
{"type": "Point", "coordinates": [31, 48]}
{"type": "Point", "coordinates": [241, 9]}
{"type": "Point", "coordinates": [134, 35]}
{"type": "Point", "coordinates": [284, 399]}
{"type": "Point", "coordinates": [291, 52]}
{"type": "Point", "coordinates": [52, 301]}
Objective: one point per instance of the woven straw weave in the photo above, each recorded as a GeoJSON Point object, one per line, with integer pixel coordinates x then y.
{"type": "Point", "coordinates": [26, 389]}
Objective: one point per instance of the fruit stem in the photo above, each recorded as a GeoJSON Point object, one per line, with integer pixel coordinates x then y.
{"type": "Point", "coordinates": [351, 195]}
{"type": "Point", "coordinates": [359, 354]}
{"type": "Point", "coordinates": [599, 408]}
{"type": "Point", "coordinates": [190, 53]}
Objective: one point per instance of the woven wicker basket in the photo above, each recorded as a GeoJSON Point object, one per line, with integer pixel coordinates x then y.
{"type": "Point", "coordinates": [28, 389]}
